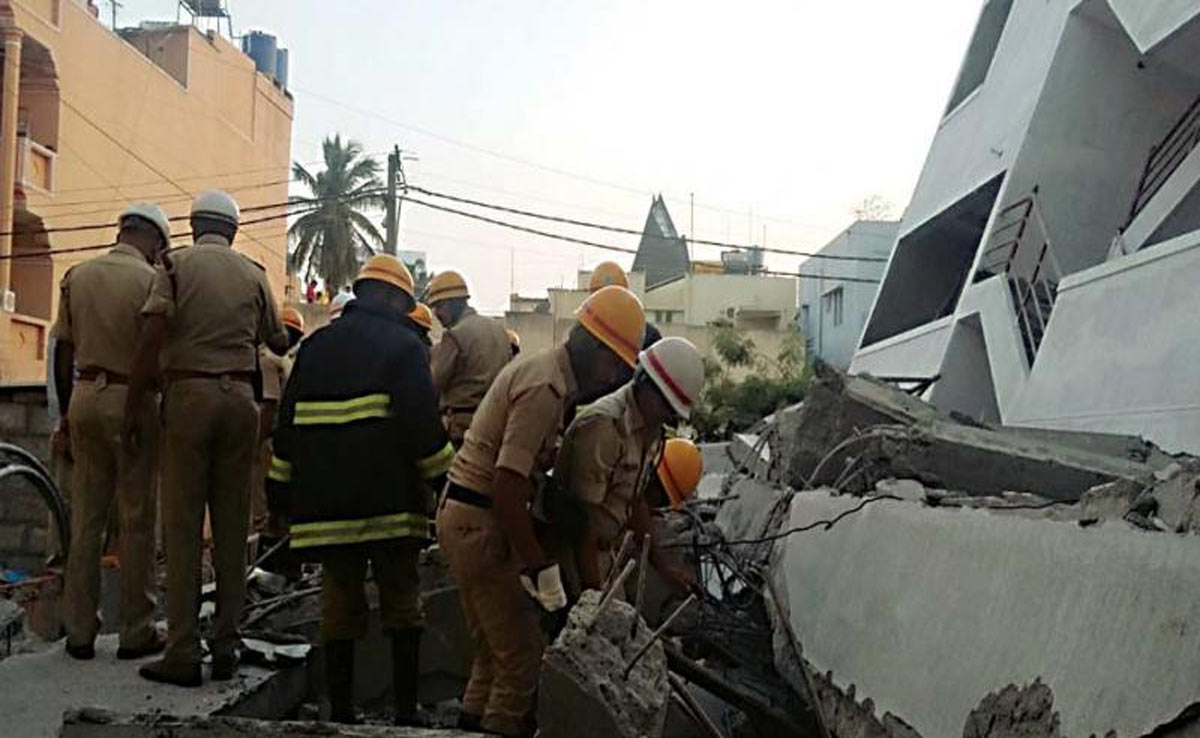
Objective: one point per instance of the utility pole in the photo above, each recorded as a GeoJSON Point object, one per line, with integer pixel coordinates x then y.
{"type": "Point", "coordinates": [114, 5]}
{"type": "Point", "coordinates": [691, 223]}
{"type": "Point", "coordinates": [391, 222]}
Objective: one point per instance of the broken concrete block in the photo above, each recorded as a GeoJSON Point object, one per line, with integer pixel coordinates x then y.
{"type": "Point", "coordinates": [1015, 712]}
{"type": "Point", "coordinates": [92, 723]}
{"type": "Point", "coordinates": [584, 691]}
{"type": "Point", "coordinates": [748, 511]}
{"type": "Point", "coordinates": [816, 443]}
{"type": "Point", "coordinates": [715, 457]}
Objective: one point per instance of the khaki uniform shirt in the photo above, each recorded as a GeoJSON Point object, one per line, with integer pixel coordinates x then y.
{"type": "Point", "coordinates": [218, 307]}
{"type": "Point", "coordinates": [465, 363]}
{"type": "Point", "coordinates": [518, 422]}
{"type": "Point", "coordinates": [100, 308]}
{"type": "Point", "coordinates": [275, 371]}
{"type": "Point", "coordinates": [606, 459]}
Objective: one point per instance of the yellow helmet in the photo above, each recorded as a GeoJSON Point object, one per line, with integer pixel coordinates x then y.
{"type": "Point", "coordinates": [614, 315]}
{"type": "Point", "coordinates": [422, 316]}
{"type": "Point", "coordinates": [606, 273]}
{"type": "Point", "coordinates": [446, 286]}
{"type": "Point", "coordinates": [680, 469]}
{"type": "Point", "coordinates": [388, 269]}
{"type": "Point", "coordinates": [514, 338]}
{"type": "Point", "coordinates": [292, 318]}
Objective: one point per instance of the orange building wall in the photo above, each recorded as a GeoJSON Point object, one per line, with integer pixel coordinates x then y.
{"type": "Point", "coordinates": [129, 130]}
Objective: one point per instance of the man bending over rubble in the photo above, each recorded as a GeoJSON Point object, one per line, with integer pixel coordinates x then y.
{"type": "Point", "coordinates": [609, 453]}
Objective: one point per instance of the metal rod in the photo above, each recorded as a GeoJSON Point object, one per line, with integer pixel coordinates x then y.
{"type": "Point", "coordinates": [658, 633]}
{"type": "Point", "coordinates": [611, 592]}
{"type": "Point", "coordinates": [619, 560]}
{"type": "Point", "coordinates": [694, 709]}
{"type": "Point", "coordinates": [643, 563]}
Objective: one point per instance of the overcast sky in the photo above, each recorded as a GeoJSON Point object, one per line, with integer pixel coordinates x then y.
{"type": "Point", "coordinates": [777, 114]}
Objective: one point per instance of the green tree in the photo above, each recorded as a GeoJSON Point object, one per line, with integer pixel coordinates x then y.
{"type": "Point", "coordinates": [335, 236]}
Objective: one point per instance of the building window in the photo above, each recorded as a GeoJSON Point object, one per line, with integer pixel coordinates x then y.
{"type": "Point", "coordinates": [668, 317]}
{"type": "Point", "coordinates": [804, 318]}
{"type": "Point", "coordinates": [833, 305]}
{"type": "Point", "coordinates": [982, 50]}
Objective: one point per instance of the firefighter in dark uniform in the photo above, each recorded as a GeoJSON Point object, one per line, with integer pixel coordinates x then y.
{"type": "Point", "coordinates": [358, 441]}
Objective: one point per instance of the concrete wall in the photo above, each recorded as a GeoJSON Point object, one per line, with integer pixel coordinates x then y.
{"type": "Point", "coordinates": [27, 536]}
{"type": "Point", "coordinates": [228, 127]}
{"type": "Point", "coordinates": [835, 344]}
{"type": "Point", "coordinates": [1151, 21]}
{"type": "Point", "coordinates": [925, 611]}
{"type": "Point", "coordinates": [1098, 117]}
{"type": "Point", "coordinates": [704, 298]}
{"type": "Point", "coordinates": [1122, 350]}
{"type": "Point", "coordinates": [917, 353]}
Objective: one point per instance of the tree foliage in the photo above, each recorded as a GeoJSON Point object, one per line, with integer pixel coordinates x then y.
{"type": "Point", "coordinates": [730, 405]}
{"type": "Point", "coordinates": [335, 236]}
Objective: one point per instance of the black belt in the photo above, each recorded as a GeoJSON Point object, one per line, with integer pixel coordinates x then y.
{"type": "Point", "coordinates": [176, 375]}
{"type": "Point", "coordinates": [91, 373]}
{"type": "Point", "coordinates": [459, 493]}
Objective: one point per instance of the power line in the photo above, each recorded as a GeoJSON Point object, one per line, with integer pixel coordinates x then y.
{"type": "Point", "coordinates": [630, 231]}
{"type": "Point", "coordinates": [579, 241]}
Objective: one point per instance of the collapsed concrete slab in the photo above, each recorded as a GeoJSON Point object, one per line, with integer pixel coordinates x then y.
{"type": "Point", "coordinates": [921, 613]}
{"type": "Point", "coordinates": [586, 688]}
{"type": "Point", "coordinates": [92, 723]}
{"type": "Point", "coordinates": [847, 421]}
{"type": "Point", "coordinates": [37, 688]}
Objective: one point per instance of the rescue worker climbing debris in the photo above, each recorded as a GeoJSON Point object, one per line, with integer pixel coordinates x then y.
{"type": "Point", "coordinates": [359, 439]}
{"type": "Point", "coordinates": [99, 318]}
{"type": "Point", "coordinates": [275, 370]}
{"type": "Point", "coordinates": [608, 456]}
{"type": "Point", "coordinates": [209, 309]}
{"type": "Point", "coordinates": [471, 353]}
{"type": "Point", "coordinates": [484, 525]}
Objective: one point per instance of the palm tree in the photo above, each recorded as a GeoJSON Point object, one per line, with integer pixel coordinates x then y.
{"type": "Point", "coordinates": [334, 235]}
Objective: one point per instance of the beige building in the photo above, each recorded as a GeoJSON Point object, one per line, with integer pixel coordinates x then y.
{"type": "Point", "coordinates": [91, 120]}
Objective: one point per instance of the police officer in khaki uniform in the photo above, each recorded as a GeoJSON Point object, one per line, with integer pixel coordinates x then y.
{"type": "Point", "coordinates": [275, 370]}
{"type": "Point", "coordinates": [99, 317]}
{"type": "Point", "coordinates": [609, 452]}
{"type": "Point", "coordinates": [484, 526]}
{"type": "Point", "coordinates": [209, 310]}
{"type": "Point", "coordinates": [471, 353]}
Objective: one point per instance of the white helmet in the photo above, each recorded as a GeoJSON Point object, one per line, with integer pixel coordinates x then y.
{"type": "Point", "coordinates": [675, 367]}
{"type": "Point", "coordinates": [151, 212]}
{"type": "Point", "coordinates": [216, 204]}
{"type": "Point", "coordinates": [340, 301]}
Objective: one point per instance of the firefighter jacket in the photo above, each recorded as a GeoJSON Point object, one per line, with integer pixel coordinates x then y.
{"type": "Point", "coordinates": [359, 434]}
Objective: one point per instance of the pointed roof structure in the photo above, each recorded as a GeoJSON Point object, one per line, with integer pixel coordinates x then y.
{"type": "Point", "coordinates": [661, 253]}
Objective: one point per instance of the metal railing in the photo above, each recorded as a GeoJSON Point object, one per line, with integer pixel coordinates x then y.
{"type": "Point", "coordinates": [1019, 248]}
{"type": "Point", "coordinates": [1166, 156]}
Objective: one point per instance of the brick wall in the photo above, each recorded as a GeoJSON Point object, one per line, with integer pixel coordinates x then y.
{"type": "Point", "coordinates": [27, 535]}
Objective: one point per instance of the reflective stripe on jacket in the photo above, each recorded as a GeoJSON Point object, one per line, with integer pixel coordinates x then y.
{"type": "Point", "coordinates": [359, 434]}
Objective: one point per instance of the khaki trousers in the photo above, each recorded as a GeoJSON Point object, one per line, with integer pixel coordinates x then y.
{"type": "Point", "coordinates": [503, 620]}
{"type": "Point", "coordinates": [104, 471]}
{"type": "Point", "coordinates": [258, 486]}
{"type": "Point", "coordinates": [210, 437]}
{"type": "Point", "coordinates": [344, 609]}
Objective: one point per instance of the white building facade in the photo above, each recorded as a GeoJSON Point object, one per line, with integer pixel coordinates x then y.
{"type": "Point", "coordinates": [1045, 269]}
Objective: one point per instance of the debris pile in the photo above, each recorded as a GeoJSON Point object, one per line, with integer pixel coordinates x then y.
{"type": "Point", "coordinates": [591, 684]}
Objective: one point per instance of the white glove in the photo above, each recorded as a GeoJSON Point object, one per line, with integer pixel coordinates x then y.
{"type": "Point", "coordinates": [548, 588]}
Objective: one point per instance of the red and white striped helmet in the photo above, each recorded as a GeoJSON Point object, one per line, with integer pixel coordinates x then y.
{"type": "Point", "coordinates": [675, 367]}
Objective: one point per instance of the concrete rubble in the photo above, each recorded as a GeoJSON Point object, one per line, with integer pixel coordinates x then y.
{"type": "Point", "coordinates": [586, 688]}
{"type": "Point", "coordinates": [939, 577]}
{"type": "Point", "coordinates": [104, 724]}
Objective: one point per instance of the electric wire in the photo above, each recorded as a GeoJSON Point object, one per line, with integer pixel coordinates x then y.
{"type": "Point", "coordinates": [632, 232]}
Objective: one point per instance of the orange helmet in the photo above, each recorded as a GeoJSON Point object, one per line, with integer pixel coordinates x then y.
{"type": "Point", "coordinates": [615, 317]}
{"type": "Point", "coordinates": [680, 469]}
{"type": "Point", "coordinates": [446, 286]}
{"type": "Point", "coordinates": [422, 316]}
{"type": "Point", "coordinates": [389, 270]}
{"type": "Point", "coordinates": [606, 273]}
{"type": "Point", "coordinates": [292, 318]}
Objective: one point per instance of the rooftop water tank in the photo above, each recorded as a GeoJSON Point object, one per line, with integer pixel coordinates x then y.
{"type": "Point", "coordinates": [281, 68]}
{"type": "Point", "coordinates": [260, 47]}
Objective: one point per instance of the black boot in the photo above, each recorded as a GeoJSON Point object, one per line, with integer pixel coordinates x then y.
{"type": "Point", "coordinates": [406, 673]}
{"type": "Point", "coordinates": [339, 681]}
